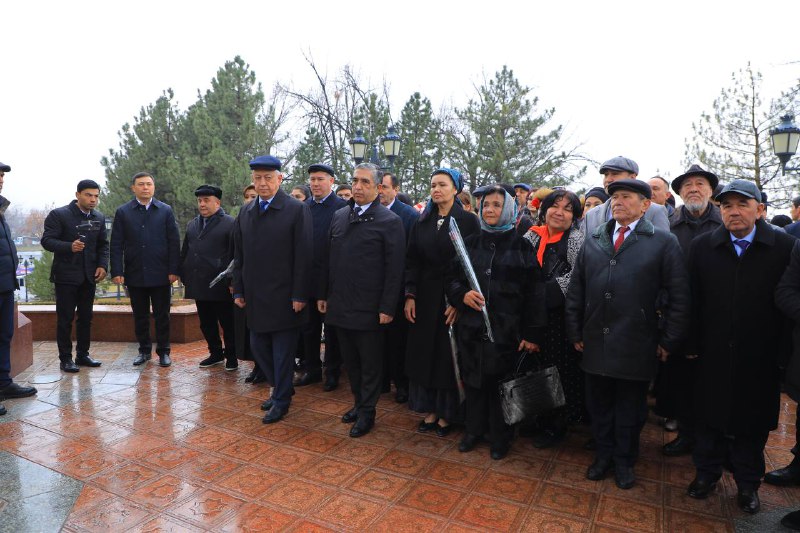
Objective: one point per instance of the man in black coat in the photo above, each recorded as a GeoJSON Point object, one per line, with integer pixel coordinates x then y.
{"type": "Point", "coordinates": [145, 256]}
{"type": "Point", "coordinates": [8, 284]}
{"type": "Point", "coordinates": [794, 228]}
{"type": "Point", "coordinates": [394, 359]}
{"type": "Point", "coordinates": [76, 234]}
{"type": "Point", "coordinates": [271, 278]}
{"type": "Point", "coordinates": [675, 382]}
{"type": "Point", "coordinates": [362, 283]}
{"type": "Point", "coordinates": [207, 250]}
{"type": "Point", "coordinates": [738, 335]}
{"type": "Point", "coordinates": [322, 204]}
{"type": "Point", "coordinates": [621, 271]}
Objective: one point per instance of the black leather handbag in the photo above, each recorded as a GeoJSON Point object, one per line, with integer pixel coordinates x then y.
{"type": "Point", "coordinates": [531, 393]}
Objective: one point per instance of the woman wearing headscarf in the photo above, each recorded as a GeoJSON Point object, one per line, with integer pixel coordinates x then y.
{"type": "Point", "coordinates": [508, 275]}
{"type": "Point", "coordinates": [429, 361]}
{"type": "Point", "coordinates": [593, 197]}
{"type": "Point", "coordinates": [556, 241]}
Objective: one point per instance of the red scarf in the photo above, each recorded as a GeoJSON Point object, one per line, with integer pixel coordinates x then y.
{"type": "Point", "coordinates": [545, 239]}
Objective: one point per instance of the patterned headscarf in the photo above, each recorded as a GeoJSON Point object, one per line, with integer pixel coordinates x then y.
{"type": "Point", "coordinates": [458, 182]}
{"type": "Point", "coordinates": [508, 217]}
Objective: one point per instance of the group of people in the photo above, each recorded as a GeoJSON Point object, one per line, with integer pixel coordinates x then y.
{"type": "Point", "coordinates": [623, 292]}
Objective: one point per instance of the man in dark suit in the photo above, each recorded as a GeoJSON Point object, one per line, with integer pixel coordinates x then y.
{"type": "Point", "coordinates": [271, 278]}
{"type": "Point", "coordinates": [76, 234]}
{"type": "Point", "coordinates": [394, 360]}
{"type": "Point", "coordinates": [8, 283]}
{"type": "Point", "coordinates": [362, 285]}
{"type": "Point", "coordinates": [207, 250]}
{"type": "Point", "coordinates": [145, 255]}
{"type": "Point", "coordinates": [793, 229]}
{"type": "Point", "coordinates": [323, 203]}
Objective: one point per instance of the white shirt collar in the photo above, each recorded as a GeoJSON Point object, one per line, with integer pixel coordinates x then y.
{"type": "Point", "coordinates": [631, 227]}
{"type": "Point", "coordinates": [391, 204]}
{"type": "Point", "coordinates": [147, 205]}
{"type": "Point", "coordinates": [323, 200]}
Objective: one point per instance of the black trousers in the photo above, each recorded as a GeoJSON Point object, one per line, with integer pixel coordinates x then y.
{"type": "Point", "coordinates": [484, 413]}
{"type": "Point", "coordinates": [7, 312]}
{"type": "Point", "coordinates": [394, 358]}
{"type": "Point", "coordinates": [214, 315]}
{"type": "Point", "coordinates": [68, 299]}
{"type": "Point", "coordinates": [311, 345]}
{"type": "Point", "coordinates": [675, 386]}
{"type": "Point", "coordinates": [618, 409]}
{"type": "Point", "coordinates": [362, 352]}
{"type": "Point", "coordinates": [141, 299]}
{"type": "Point", "coordinates": [274, 354]}
{"type": "Point", "coordinates": [746, 454]}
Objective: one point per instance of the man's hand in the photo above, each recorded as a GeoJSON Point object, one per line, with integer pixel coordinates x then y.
{"type": "Point", "coordinates": [410, 310]}
{"type": "Point", "coordinates": [450, 315]}
{"type": "Point", "coordinates": [99, 274]}
{"type": "Point", "coordinates": [384, 318]}
{"type": "Point", "coordinates": [239, 302]}
{"type": "Point", "coordinates": [173, 278]}
{"type": "Point", "coordinates": [579, 346]}
{"type": "Point", "coordinates": [474, 300]}
{"type": "Point", "coordinates": [525, 346]}
{"type": "Point", "coordinates": [662, 353]}
{"type": "Point", "coordinates": [322, 306]}
{"type": "Point", "coordinates": [298, 306]}
{"type": "Point", "coordinates": [119, 280]}
{"type": "Point", "coordinates": [78, 246]}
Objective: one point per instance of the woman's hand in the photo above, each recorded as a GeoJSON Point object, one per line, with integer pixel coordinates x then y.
{"type": "Point", "coordinates": [474, 300]}
{"type": "Point", "coordinates": [450, 315]}
{"type": "Point", "coordinates": [525, 346]}
{"type": "Point", "coordinates": [410, 310]}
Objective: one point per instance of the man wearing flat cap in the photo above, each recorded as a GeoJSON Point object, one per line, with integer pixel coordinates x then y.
{"type": "Point", "coordinates": [740, 337]}
{"type": "Point", "coordinates": [675, 383]}
{"type": "Point", "coordinates": [76, 234]}
{"type": "Point", "coordinates": [619, 168]}
{"type": "Point", "coordinates": [323, 203]}
{"type": "Point", "coordinates": [8, 284]}
{"type": "Point", "coordinates": [612, 300]}
{"type": "Point", "coordinates": [273, 251]}
{"type": "Point", "coordinates": [207, 250]}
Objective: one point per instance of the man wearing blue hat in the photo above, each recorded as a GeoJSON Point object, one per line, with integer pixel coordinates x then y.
{"type": "Point", "coordinates": [273, 251]}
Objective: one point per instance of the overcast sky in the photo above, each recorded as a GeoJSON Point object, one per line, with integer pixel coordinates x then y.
{"type": "Point", "coordinates": [625, 77]}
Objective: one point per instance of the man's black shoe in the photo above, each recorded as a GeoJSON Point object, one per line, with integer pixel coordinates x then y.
{"type": "Point", "coordinates": [499, 451]}
{"type": "Point", "coordinates": [700, 489]}
{"type": "Point", "coordinates": [164, 360]}
{"type": "Point", "coordinates": [141, 359]}
{"type": "Point", "coordinates": [251, 376]}
{"type": "Point", "coordinates": [211, 360]}
{"type": "Point", "coordinates": [231, 365]}
{"type": "Point", "coordinates": [2, 410]}
{"type": "Point", "coordinates": [259, 378]}
{"type": "Point", "coordinates": [792, 520]}
{"type": "Point", "coordinates": [350, 416]}
{"type": "Point", "coordinates": [624, 477]}
{"type": "Point", "coordinates": [267, 405]}
{"type": "Point", "coordinates": [362, 426]}
{"type": "Point", "coordinates": [85, 360]}
{"type": "Point", "coordinates": [783, 477]}
{"type": "Point", "coordinates": [468, 442]}
{"type": "Point", "coordinates": [747, 500]}
{"type": "Point", "coordinates": [331, 383]}
{"type": "Point", "coordinates": [274, 414]}
{"type": "Point", "coordinates": [681, 445]}
{"type": "Point", "coordinates": [598, 469]}
{"type": "Point", "coordinates": [401, 396]}
{"type": "Point", "coordinates": [69, 366]}
{"type": "Point", "coordinates": [307, 378]}
{"type": "Point", "coordinates": [16, 391]}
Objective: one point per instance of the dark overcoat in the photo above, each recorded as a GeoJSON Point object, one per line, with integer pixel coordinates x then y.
{"type": "Point", "coordinates": [613, 297]}
{"type": "Point", "coordinates": [365, 266]}
{"type": "Point", "coordinates": [686, 228]}
{"type": "Point", "coordinates": [272, 262]}
{"type": "Point", "coordinates": [61, 229]}
{"type": "Point", "coordinates": [787, 297]}
{"type": "Point", "coordinates": [8, 253]}
{"type": "Point", "coordinates": [509, 277]}
{"type": "Point", "coordinates": [738, 332]}
{"type": "Point", "coordinates": [145, 244]}
{"type": "Point", "coordinates": [321, 217]}
{"type": "Point", "coordinates": [206, 252]}
{"type": "Point", "coordinates": [428, 262]}
{"type": "Point", "coordinates": [408, 215]}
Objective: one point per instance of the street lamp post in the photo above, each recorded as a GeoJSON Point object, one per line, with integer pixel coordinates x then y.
{"type": "Point", "coordinates": [25, 265]}
{"type": "Point", "coordinates": [391, 148]}
{"type": "Point", "coordinates": [785, 139]}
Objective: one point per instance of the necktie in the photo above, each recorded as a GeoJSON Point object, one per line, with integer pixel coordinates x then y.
{"type": "Point", "coordinates": [263, 205]}
{"type": "Point", "coordinates": [621, 237]}
{"type": "Point", "coordinates": [203, 225]}
{"type": "Point", "coordinates": [742, 244]}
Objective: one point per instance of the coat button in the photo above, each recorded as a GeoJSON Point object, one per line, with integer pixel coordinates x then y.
{"type": "Point", "coordinates": [608, 296]}
{"type": "Point", "coordinates": [488, 271]}
{"type": "Point", "coordinates": [613, 262]}
{"type": "Point", "coordinates": [606, 331]}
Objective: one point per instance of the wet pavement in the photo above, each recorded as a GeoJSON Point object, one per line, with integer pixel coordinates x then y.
{"type": "Point", "coordinates": [121, 448]}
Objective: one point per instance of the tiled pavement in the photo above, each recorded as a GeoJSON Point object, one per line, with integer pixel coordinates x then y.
{"type": "Point", "coordinates": [183, 449]}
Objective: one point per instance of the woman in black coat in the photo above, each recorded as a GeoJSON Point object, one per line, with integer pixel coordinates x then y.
{"type": "Point", "coordinates": [556, 243]}
{"type": "Point", "coordinates": [429, 363]}
{"type": "Point", "coordinates": [508, 274]}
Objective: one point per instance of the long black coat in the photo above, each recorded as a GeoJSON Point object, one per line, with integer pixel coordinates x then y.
{"type": "Point", "coordinates": [61, 230]}
{"type": "Point", "coordinates": [321, 217]}
{"type": "Point", "coordinates": [686, 228]}
{"type": "Point", "coordinates": [613, 296]}
{"type": "Point", "coordinates": [509, 276]}
{"type": "Point", "coordinates": [787, 298]}
{"type": "Point", "coordinates": [365, 267]}
{"type": "Point", "coordinates": [272, 262]}
{"type": "Point", "coordinates": [738, 332]}
{"type": "Point", "coordinates": [205, 253]}
{"type": "Point", "coordinates": [145, 244]}
{"type": "Point", "coordinates": [8, 253]}
{"type": "Point", "coordinates": [428, 261]}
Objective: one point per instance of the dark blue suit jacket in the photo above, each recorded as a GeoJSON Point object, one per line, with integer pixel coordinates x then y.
{"type": "Point", "coordinates": [408, 215]}
{"type": "Point", "coordinates": [793, 229]}
{"type": "Point", "coordinates": [321, 216]}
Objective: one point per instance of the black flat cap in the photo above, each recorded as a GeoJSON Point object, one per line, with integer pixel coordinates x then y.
{"type": "Point", "coordinates": [745, 188]}
{"type": "Point", "coordinates": [4, 168]}
{"type": "Point", "coordinates": [265, 162]}
{"type": "Point", "coordinates": [208, 190]}
{"type": "Point", "coordinates": [695, 170]}
{"type": "Point", "coordinates": [620, 163]}
{"type": "Point", "coordinates": [322, 167]}
{"type": "Point", "coordinates": [631, 185]}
